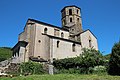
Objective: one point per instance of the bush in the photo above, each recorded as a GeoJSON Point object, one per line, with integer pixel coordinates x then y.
{"type": "Point", "coordinates": [114, 62]}
{"type": "Point", "coordinates": [64, 63]}
{"type": "Point", "coordinates": [99, 70]}
{"type": "Point", "coordinates": [31, 68]}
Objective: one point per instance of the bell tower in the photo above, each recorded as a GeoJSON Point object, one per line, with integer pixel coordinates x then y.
{"type": "Point", "coordinates": [71, 19]}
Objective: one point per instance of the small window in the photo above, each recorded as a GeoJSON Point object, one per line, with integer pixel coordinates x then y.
{"type": "Point", "coordinates": [78, 19]}
{"type": "Point", "coordinates": [73, 47]}
{"type": "Point", "coordinates": [18, 54]}
{"type": "Point", "coordinates": [70, 11]}
{"type": "Point", "coordinates": [45, 31]}
{"type": "Point", "coordinates": [62, 35]}
{"type": "Point", "coordinates": [77, 11]}
{"type": "Point", "coordinates": [70, 19]}
{"type": "Point", "coordinates": [58, 44]}
{"type": "Point", "coordinates": [80, 44]}
{"type": "Point", "coordinates": [90, 44]}
{"type": "Point", "coordinates": [72, 29]}
{"type": "Point", "coordinates": [39, 41]}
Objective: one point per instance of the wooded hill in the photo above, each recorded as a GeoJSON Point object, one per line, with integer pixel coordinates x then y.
{"type": "Point", "coordinates": [5, 53]}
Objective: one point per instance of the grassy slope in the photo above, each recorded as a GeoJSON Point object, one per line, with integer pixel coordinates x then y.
{"type": "Point", "coordinates": [64, 77]}
{"type": "Point", "coordinates": [5, 53]}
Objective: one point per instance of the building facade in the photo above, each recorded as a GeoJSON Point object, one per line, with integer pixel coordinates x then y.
{"type": "Point", "coordinates": [44, 42]}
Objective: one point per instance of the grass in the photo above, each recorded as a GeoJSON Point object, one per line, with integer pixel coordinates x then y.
{"type": "Point", "coordinates": [63, 77]}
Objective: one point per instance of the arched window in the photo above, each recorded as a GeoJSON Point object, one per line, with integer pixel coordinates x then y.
{"type": "Point", "coordinates": [45, 31]}
{"type": "Point", "coordinates": [70, 19]}
{"type": "Point", "coordinates": [77, 11]}
{"type": "Point", "coordinates": [90, 44]}
{"type": "Point", "coordinates": [58, 44]}
{"type": "Point", "coordinates": [70, 11]}
{"type": "Point", "coordinates": [73, 47]}
{"type": "Point", "coordinates": [62, 34]}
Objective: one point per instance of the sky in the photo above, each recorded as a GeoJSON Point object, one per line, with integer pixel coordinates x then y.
{"type": "Point", "coordinates": [102, 17]}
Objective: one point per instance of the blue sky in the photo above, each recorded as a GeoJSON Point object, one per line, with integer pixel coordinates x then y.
{"type": "Point", "coordinates": [102, 17]}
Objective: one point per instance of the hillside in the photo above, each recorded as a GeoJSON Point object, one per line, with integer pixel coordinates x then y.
{"type": "Point", "coordinates": [5, 53]}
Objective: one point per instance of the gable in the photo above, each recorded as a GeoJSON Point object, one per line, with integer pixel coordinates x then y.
{"type": "Point", "coordinates": [89, 32]}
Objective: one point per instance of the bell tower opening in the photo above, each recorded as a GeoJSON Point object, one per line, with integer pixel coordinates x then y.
{"type": "Point", "coordinates": [70, 11]}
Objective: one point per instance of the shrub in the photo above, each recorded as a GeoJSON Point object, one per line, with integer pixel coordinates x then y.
{"type": "Point", "coordinates": [31, 68]}
{"type": "Point", "coordinates": [99, 70]}
{"type": "Point", "coordinates": [64, 63]}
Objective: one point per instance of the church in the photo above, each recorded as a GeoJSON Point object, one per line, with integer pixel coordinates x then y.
{"type": "Point", "coordinates": [44, 42]}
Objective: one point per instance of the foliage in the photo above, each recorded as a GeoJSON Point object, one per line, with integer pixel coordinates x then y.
{"type": "Point", "coordinates": [107, 57]}
{"type": "Point", "coordinates": [5, 53]}
{"type": "Point", "coordinates": [106, 61]}
{"type": "Point", "coordinates": [114, 63]}
{"type": "Point", "coordinates": [85, 62]}
{"type": "Point", "coordinates": [99, 70]}
{"type": "Point", "coordinates": [64, 63]}
{"type": "Point", "coordinates": [63, 77]}
{"type": "Point", "coordinates": [91, 58]}
{"type": "Point", "coordinates": [31, 68]}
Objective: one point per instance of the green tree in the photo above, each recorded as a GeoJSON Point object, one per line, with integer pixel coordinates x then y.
{"type": "Point", "coordinates": [91, 58]}
{"type": "Point", "coordinates": [114, 63]}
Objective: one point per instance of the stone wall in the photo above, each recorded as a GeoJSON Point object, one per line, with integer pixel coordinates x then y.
{"type": "Point", "coordinates": [85, 37]}
{"type": "Point", "coordinates": [42, 42]}
{"type": "Point", "coordinates": [65, 49]}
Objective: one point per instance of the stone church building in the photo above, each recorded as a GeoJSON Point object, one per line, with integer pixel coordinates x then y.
{"type": "Point", "coordinates": [41, 41]}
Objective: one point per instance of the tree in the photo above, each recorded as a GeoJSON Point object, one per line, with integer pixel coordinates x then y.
{"type": "Point", "coordinates": [92, 57]}
{"type": "Point", "coordinates": [114, 63]}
